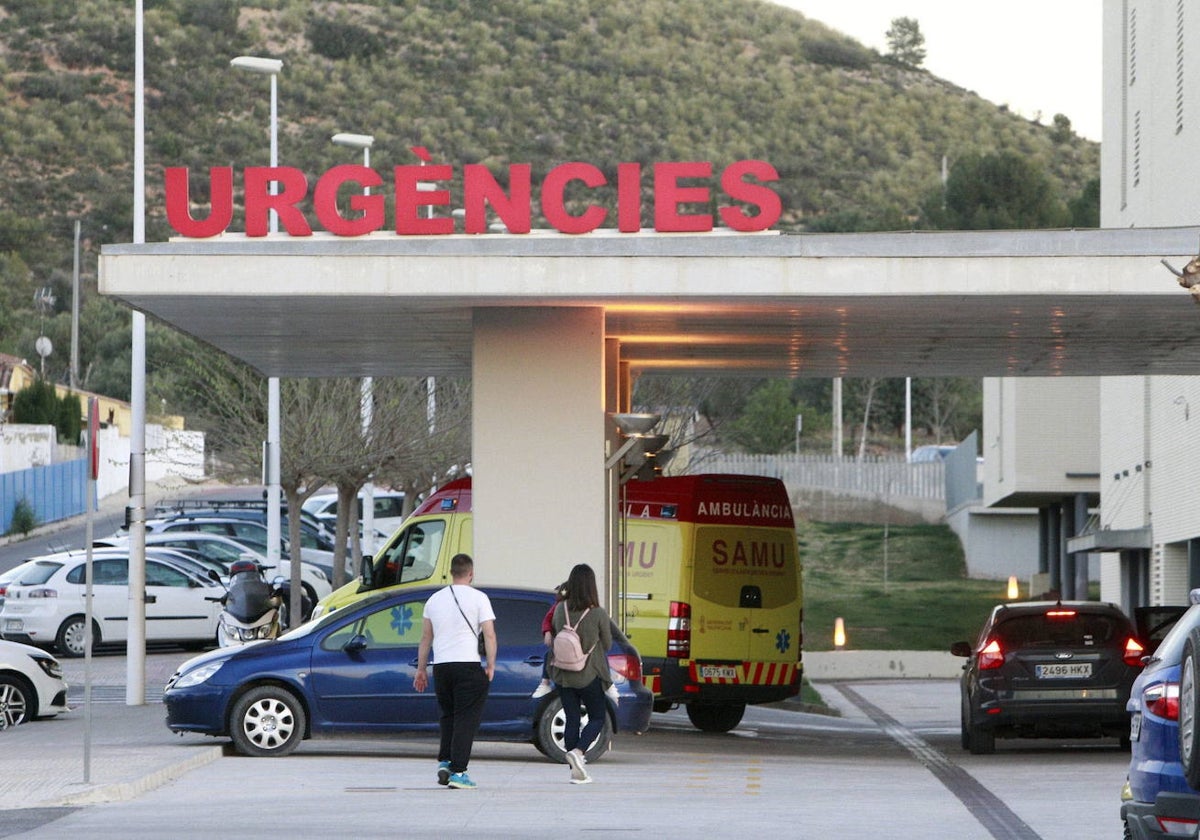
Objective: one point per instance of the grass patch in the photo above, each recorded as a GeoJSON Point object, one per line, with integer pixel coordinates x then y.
{"type": "Point", "coordinates": [904, 590]}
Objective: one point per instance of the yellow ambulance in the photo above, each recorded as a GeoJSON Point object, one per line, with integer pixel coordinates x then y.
{"type": "Point", "coordinates": [709, 585]}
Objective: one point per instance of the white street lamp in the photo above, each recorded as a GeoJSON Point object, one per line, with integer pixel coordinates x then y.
{"type": "Point", "coordinates": [270, 67]}
{"type": "Point", "coordinates": [364, 142]}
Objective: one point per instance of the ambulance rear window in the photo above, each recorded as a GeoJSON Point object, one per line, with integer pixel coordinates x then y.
{"type": "Point", "coordinates": [730, 559]}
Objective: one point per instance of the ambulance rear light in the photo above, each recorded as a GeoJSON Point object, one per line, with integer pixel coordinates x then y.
{"type": "Point", "coordinates": [679, 631]}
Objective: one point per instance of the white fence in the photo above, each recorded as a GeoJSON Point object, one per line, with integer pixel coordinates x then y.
{"type": "Point", "coordinates": [875, 478]}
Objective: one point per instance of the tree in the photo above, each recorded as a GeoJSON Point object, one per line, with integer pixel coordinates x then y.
{"type": "Point", "coordinates": [769, 422]}
{"type": "Point", "coordinates": [906, 44]}
{"type": "Point", "coordinates": [1002, 191]}
{"type": "Point", "coordinates": [1085, 207]}
{"type": "Point", "coordinates": [36, 404]}
{"type": "Point", "coordinates": [868, 388]}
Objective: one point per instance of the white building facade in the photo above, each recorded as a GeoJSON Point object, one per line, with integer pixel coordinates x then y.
{"type": "Point", "coordinates": [1143, 522]}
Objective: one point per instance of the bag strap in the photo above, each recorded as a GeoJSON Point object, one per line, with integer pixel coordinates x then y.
{"type": "Point", "coordinates": [567, 616]}
{"type": "Point", "coordinates": [460, 609]}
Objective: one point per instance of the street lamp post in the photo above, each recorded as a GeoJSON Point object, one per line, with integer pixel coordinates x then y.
{"type": "Point", "coordinates": [364, 142]}
{"type": "Point", "coordinates": [270, 67]}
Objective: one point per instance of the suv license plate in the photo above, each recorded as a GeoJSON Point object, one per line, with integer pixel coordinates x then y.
{"type": "Point", "coordinates": [718, 672]}
{"type": "Point", "coordinates": [1135, 726]}
{"type": "Point", "coordinates": [1063, 671]}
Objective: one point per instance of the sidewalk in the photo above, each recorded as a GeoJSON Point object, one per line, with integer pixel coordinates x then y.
{"type": "Point", "coordinates": [53, 763]}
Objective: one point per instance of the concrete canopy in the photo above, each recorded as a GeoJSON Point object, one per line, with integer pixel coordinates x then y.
{"type": "Point", "coordinates": [1027, 303]}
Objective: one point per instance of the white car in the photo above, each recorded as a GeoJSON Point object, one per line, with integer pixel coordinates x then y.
{"type": "Point", "coordinates": [226, 550]}
{"type": "Point", "coordinates": [248, 532]}
{"type": "Point", "coordinates": [389, 509]}
{"type": "Point", "coordinates": [31, 685]}
{"type": "Point", "coordinates": [45, 605]}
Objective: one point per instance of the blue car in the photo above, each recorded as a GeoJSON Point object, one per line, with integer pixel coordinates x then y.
{"type": "Point", "coordinates": [350, 672]}
{"type": "Point", "coordinates": [1161, 797]}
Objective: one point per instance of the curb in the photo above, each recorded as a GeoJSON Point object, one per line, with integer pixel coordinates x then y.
{"type": "Point", "coordinates": [125, 791]}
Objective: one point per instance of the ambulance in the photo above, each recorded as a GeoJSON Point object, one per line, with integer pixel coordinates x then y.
{"type": "Point", "coordinates": [708, 586]}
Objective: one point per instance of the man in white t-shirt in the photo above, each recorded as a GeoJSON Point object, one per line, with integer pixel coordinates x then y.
{"type": "Point", "coordinates": [455, 617]}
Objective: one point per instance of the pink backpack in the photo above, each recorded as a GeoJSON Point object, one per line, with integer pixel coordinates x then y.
{"type": "Point", "coordinates": [567, 649]}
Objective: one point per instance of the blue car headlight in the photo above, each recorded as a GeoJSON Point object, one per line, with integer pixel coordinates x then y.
{"type": "Point", "coordinates": [198, 675]}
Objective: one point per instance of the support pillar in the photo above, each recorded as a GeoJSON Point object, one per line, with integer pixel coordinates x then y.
{"type": "Point", "coordinates": [1055, 546]}
{"type": "Point", "coordinates": [1082, 559]}
{"type": "Point", "coordinates": [537, 444]}
{"type": "Point", "coordinates": [1068, 559]}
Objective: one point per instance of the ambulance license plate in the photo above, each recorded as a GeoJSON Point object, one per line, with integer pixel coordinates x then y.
{"type": "Point", "coordinates": [718, 672]}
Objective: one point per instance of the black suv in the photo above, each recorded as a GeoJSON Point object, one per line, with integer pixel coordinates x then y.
{"type": "Point", "coordinates": [1046, 669]}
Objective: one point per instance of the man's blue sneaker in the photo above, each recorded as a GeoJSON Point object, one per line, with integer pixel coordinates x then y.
{"type": "Point", "coordinates": [443, 772]}
{"type": "Point", "coordinates": [461, 781]}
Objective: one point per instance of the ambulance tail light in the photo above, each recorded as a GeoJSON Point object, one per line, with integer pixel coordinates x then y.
{"type": "Point", "coordinates": [679, 631]}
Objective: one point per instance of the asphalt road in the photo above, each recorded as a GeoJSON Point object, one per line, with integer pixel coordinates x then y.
{"type": "Point", "coordinates": [890, 766]}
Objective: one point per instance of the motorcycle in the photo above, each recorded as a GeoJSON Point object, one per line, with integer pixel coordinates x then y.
{"type": "Point", "coordinates": [252, 605]}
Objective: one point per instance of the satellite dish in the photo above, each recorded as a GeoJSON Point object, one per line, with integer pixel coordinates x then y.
{"type": "Point", "coordinates": [43, 346]}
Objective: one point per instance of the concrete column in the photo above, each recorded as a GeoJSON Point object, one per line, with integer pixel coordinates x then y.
{"type": "Point", "coordinates": [1054, 544]}
{"type": "Point", "coordinates": [1043, 539]}
{"type": "Point", "coordinates": [1068, 560]}
{"type": "Point", "coordinates": [1082, 559]}
{"type": "Point", "coordinates": [537, 444]}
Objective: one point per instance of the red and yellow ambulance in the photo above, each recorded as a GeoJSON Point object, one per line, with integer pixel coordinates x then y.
{"type": "Point", "coordinates": [712, 593]}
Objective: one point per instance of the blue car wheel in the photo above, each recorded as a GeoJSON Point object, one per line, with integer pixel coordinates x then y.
{"type": "Point", "coordinates": [267, 721]}
{"type": "Point", "coordinates": [549, 733]}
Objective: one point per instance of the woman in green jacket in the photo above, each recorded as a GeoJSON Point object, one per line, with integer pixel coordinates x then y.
{"type": "Point", "coordinates": [585, 687]}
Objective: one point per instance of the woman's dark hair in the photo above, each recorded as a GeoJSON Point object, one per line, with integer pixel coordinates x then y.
{"type": "Point", "coordinates": [581, 588]}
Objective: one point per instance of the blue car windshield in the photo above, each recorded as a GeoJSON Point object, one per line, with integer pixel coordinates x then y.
{"type": "Point", "coordinates": [1170, 651]}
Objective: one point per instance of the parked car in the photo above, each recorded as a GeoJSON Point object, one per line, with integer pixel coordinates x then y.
{"type": "Point", "coordinates": [255, 509]}
{"type": "Point", "coordinates": [248, 532]}
{"type": "Point", "coordinates": [45, 605]}
{"type": "Point", "coordinates": [223, 551]}
{"type": "Point", "coordinates": [388, 507]}
{"type": "Point", "coordinates": [8, 577]}
{"type": "Point", "coordinates": [351, 672]}
{"type": "Point", "coordinates": [930, 454]}
{"type": "Point", "coordinates": [1161, 797]}
{"type": "Point", "coordinates": [1046, 669]}
{"type": "Point", "coordinates": [31, 685]}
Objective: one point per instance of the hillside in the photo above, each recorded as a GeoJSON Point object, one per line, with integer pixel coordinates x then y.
{"type": "Point", "coordinates": [857, 140]}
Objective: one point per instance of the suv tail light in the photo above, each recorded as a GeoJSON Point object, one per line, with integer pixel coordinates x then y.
{"type": "Point", "coordinates": [991, 656]}
{"type": "Point", "coordinates": [679, 631]}
{"type": "Point", "coordinates": [1177, 826]}
{"type": "Point", "coordinates": [1133, 653]}
{"type": "Point", "coordinates": [1162, 700]}
{"type": "Point", "coordinates": [627, 665]}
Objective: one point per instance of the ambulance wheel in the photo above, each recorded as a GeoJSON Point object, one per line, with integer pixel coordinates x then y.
{"type": "Point", "coordinates": [715, 717]}
{"type": "Point", "coordinates": [548, 737]}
